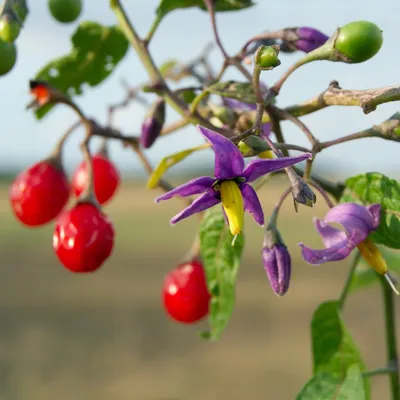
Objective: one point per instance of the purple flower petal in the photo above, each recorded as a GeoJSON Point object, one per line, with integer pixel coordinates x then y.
{"type": "Point", "coordinates": [206, 200]}
{"type": "Point", "coordinates": [195, 186]}
{"type": "Point", "coordinates": [252, 203]}
{"type": "Point", "coordinates": [375, 211]}
{"type": "Point", "coordinates": [260, 167]}
{"type": "Point", "coordinates": [229, 162]}
{"type": "Point", "coordinates": [356, 220]}
{"type": "Point", "coordinates": [335, 253]}
{"type": "Point", "coordinates": [330, 236]}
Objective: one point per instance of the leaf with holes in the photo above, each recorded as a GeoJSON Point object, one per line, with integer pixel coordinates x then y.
{"type": "Point", "coordinates": [221, 262]}
{"type": "Point", "coordinates": [329, 387]}
{"type": "Point", "coordinates": [374, 187]}
{"type": "Point", "coordinates": [333, 348]}
{"type": "Point", "coordinates": [96, 52]}
{"type": "Point", "coordinates": [166, 6]}
{"type": "Point", "coordinates": [242, 91]}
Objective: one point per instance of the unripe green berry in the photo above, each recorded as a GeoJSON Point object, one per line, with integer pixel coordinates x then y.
{"type": "Point", "coordinates": [245, 149]}
{"type": "Point", "coordinates": [397, 131]}
{"type": "Point", "coordinates": [8, 57]}
{"type": "Point", "coordinates": [359, 40]}
{"type": "Point", "coordinates": [266, 57]}
{"type": "Point", "coordinates": [9, 28]}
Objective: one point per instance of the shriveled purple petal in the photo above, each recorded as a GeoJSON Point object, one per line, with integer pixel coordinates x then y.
{"type": "Point", "coordinates": [312, 34]}
{"type": "Point", "coordinates": [356, 220]}
{"type": "Point", "coordinates": [335, 253]}
{"type": "Point", "coordinates": [375, 211]}
{"type": "Point", "coordinates": [330, 236]}
{"type": "Point", "coordinates": [206, 200]}
{"type": "Point", "coordinates": [229, 162]}
{"type": "Point", "coordinates": [260, 167]}
{"type": "Point", "coordinates": [265, 130]}
{"type": "Point", "coordinates": [238, 105]}
{"type": "Point", "coordinates": [194, 186]}
{"type": "Point", "coordinates": [310, 39]}
{"type": "Point", "coordinates": [277, 265]}
{"type": "Point", "coordinates": [252, 203]}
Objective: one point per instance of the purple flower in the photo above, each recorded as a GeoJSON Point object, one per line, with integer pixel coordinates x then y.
{"type": "Point", "coordinates": [230, 184]}
{"type": "Point", "coordinates": [309, 39]}
{"type": "Point", "coordinates": [152, 124]}
{"type": "Point", "coordinates": [357, 222]}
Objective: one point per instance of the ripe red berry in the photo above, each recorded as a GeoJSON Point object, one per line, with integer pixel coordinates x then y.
{"type": "Point", "coordinates": [39, 193]}
{"type": "Point", "coordinates": [185, 293]}
{"type": "Point", "coordinates": [83, 238]}
{"type": "Point", "coordinates": [106, 178]}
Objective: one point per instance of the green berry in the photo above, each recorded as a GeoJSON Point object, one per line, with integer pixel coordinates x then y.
{"type": "Point", "coordinates": [8, 57]}
{"type": "Point", "coordinates": [266, 57]}
{"type": "Point", "coordinates": [65, 11]}
{"type": "Point", "coordinates": [9, 28]}
{"type": "Point", "coordinates": [359, 40]}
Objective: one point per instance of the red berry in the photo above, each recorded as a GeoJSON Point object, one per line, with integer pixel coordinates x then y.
{"type": "Point", "coordinates": [185, 293]}
{"type": "Point", "coordinates": [106, 178]}
{"type": "Point", "coordinates": [39, 193]}
{"type": "Point", "coordinates": [83, 238]}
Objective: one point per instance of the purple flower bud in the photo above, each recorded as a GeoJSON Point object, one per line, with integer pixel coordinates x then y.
{"type": "Point", "coordinates": [153, 123]}
{"type": "Point", "coordinates": [309, 39]}
{"type": "Point", "coordinates": [277, 262]}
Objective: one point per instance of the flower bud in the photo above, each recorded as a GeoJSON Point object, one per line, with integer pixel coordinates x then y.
{"type": "Point", "coordinates": [301, 192]}
{"type": "Point", "coordinates": [153, 123]}
{"type": "Point", "coordinates": [309, 39]}
{"type": "Point", "coordinates": [359, 40]}
{"type": "Point", "coordinates": [277, 262]}
{"type": "Point", "coordinates": [266, 57]}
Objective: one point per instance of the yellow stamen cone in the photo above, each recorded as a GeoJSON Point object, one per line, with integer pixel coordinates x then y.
{"type": "Point", "coordinates": [370, 252]}
{"type": "Point", "coordinates": [373, 256]}
{"type": "Point", "coordinates": [232, 201]}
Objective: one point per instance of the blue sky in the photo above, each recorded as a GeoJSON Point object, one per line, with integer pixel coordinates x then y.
{"type": "Point", "coordinates": [183, 34]}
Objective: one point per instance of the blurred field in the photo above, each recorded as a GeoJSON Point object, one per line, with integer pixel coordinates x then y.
{"type": "Point", "coordinates": [105, 336]}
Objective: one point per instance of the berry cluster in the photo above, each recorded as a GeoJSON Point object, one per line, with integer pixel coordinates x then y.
{"type": "Point", "coordinates": [83, 236]}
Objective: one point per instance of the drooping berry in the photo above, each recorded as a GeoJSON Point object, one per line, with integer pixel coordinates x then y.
{"type": "Point", "coordinates": [185, 293]}
{"type": "Point", "coordinates": [359, 40]}
{"type": "Point", "coordinates": [8, 56]}
{"type": "Point", "coordinates": [39, 194]}
{"type": "Point", "coordinates": [65, 11]}
{"type": "Point", "coordinates": [83, 238]}
{"type": "Point", "coordinates": [9, 28]}
{"type": "Point", "coordinates": [106, 178]}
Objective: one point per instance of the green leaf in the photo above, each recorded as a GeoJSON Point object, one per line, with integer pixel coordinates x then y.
{"type": "Point", "coordinates": [372, 188]}
{"type": "Point", "coordinates": [242, 91]}
{"type": "Point", "coordinates": [325, 386]}
{"type": "Point", "coordinates": [221, 261]}
{"type": "Point", "coordinates": [96, 52]}
{"type": "Point", "coordinates": [333, 348]}
{"type": "Point", "coordinates": [167, 162]}
{"type": "Point", "coordinates": [365, 276]}
{"type": "Point", "coordinates": [166, 6]}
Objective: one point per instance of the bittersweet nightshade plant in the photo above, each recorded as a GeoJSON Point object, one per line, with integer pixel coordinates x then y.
{"type": "Point", "coordinates": [230, 183]}
{"type": "Point", "coordinates": [238, 119]}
